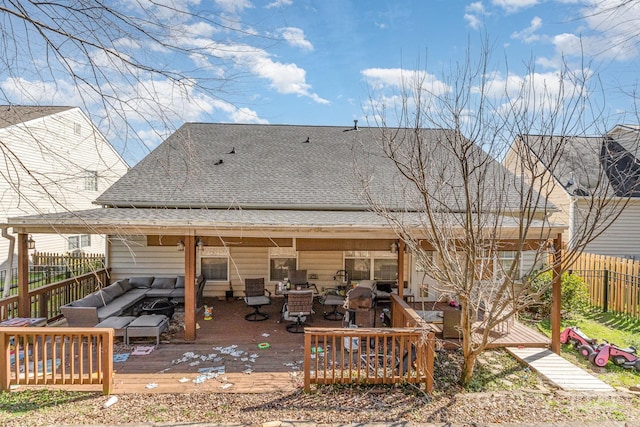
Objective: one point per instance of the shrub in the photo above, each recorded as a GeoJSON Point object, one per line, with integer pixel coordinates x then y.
{"type": "Point", "coordinates": [575, 294]}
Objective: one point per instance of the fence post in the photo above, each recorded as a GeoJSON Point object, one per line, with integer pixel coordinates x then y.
{"type": "Point", "coordinates": [605, 291]}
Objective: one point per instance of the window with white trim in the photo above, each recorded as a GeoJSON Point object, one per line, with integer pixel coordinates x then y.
{"type": "Point", "coordinates": [371, 265]}
{"type": "Point", "coordinates": [281, 260]}
{"type": "Point", "coordinates": [78, 242]}
{"type": "Point", "coordinates": [90, 180]}
{"type": "Point", "coordinates": [214, 264]}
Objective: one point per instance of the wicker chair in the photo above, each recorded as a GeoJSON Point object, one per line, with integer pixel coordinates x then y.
{"type": "Point", "coordinates": [256, 295]}
{"type": "Point", "coordinates": [299, 305]}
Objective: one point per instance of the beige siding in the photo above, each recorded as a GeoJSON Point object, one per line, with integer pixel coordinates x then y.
{"type": "Point", "coordinates": [323, 264]}
{"type": "Point", "coordinates": [132, 257]}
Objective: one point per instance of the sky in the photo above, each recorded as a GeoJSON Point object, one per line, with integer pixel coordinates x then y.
{"type": "Point", "coordinates": [316, 62]}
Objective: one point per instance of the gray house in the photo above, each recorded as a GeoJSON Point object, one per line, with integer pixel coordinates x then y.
{"type": "Point", "coordinates": [233, 202]}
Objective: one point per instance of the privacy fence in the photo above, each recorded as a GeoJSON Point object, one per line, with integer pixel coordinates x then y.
{"type": "Point", "coordinates": [614, 283]}
{"type": "Point", "coordinates": [46, 268]}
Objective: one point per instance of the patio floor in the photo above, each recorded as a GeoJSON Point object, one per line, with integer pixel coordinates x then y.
{"type": "Point", "coordinates": [226, 356]}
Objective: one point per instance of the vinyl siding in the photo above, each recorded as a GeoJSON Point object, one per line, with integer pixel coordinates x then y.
{"type": "Point", "coordinates": [44, 171]}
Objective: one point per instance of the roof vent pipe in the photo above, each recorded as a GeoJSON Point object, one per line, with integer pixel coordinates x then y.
{"type": "Point", "coordinates": [7, 278]}
{"type": "Point", "coordinates": [355, 125]}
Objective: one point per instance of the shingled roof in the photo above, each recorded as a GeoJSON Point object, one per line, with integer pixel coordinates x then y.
{"type": "Point", "coordinates": [13, 114]}
{"type": "Point", "coordinates": [585, 166]}
{"type": "Point", "coordinates": [249, 166]}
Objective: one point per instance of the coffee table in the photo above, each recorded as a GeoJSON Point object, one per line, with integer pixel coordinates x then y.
{"type": "Point", "coordinates": [147, 325]}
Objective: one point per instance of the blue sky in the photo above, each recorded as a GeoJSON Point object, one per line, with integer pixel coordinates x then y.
{"type": "Point", "coordinates": [320, 62]}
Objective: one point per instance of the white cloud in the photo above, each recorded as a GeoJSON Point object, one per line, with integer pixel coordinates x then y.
{"type": "Point", "coordinates": [21, 91]}
{"type": "Point", "coordinates": [511, 6]}
{"type": "Point", "coordinates": [233, 6]}
{"type": "Point", "coordinates": [279, 3]}
{"type": "Point", "coordinates": [474, 13]}
{"type": "Point", "coordinates": [295, 37]}
{"type": "Point", "coordinates": [528, 35]}
{"type": "Point", "coordinates": [398, 78]}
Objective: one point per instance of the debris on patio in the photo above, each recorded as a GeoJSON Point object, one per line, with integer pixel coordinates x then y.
{"type": "Point", "coordinates": [120, 357]}
{"type": "Point", "coordinates": [143, 350]}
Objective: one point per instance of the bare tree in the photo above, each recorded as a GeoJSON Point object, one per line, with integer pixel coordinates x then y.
{"type": "Point", "coordinates": [459, 210]}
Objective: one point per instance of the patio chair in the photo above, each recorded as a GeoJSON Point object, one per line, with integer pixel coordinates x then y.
{"type": "Point", "coordinates": [298, 279]}
{"type": "Point", "coordinates": [333, 299]}
{"type": "Point", "coordinates": [299, 305]}
{"type": "Point", "coordinates": [256, 295]}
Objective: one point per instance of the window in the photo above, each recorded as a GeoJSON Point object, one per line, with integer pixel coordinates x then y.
{"type": "Point", "coordinates": [90, 180]}
{"type": "Point", "coordinates": [371, 265]}
{"type": "Point", "coordinates": [214, 268]}
{"type": "Point", "coordinates": [74, 242]}
{"type": "Point", "coordinates": [78, 242]}
{"type": "Point", "coordinates": [385, 269]}
{"type": "Point", "coordinates": [281, 260]}
{"type": "Point", "coordinates": [505, 261]}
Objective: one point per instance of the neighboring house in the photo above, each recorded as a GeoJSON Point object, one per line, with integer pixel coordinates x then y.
{"type": "Point", "coordinates": [54, 160]}
{"type": "Point", "coordinates": [584, 170]}
{"type": "Point", "coordinates": [252, 201]}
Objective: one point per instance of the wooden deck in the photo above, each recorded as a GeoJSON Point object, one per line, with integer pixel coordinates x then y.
{"type": "Point", "coordinates": [227, 358]}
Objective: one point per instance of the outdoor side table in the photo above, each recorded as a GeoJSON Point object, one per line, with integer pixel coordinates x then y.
{"type": "Point", "coordinates": [118, 324]}
{"type": "Point", "coordinates": [147, 325]}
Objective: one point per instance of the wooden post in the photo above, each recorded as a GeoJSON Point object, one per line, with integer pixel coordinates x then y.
{"type": "Point", "coordinates": [401, 247]}
{"type": "Point", "coordinates": [189, 287]}
{"type": "Point", "coordinates": [24, 302]}
{"type": "Point", "coordinates": [556, 294]}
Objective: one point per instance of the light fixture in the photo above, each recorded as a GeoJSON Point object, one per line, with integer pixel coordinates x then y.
{"type": "Point", "coordinates": [180, 245]}
{"type": "Point", "coordinates": [394, 248]}
{"type": "Point", "coordinates": [200, 244]}
{"type": "Point", "coordinates": [31, 244]}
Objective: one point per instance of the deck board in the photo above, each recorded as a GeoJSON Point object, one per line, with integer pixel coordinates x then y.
{"type": "Point", "coordinates": [278, 367]}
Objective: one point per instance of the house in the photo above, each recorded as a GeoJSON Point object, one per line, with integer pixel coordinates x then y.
{"type": "Point", "coordinates": [239, 201]}
{"type": "Point", "coordinates": [54, 160]}
{"type": "Point", "coordinates": [588, 171]}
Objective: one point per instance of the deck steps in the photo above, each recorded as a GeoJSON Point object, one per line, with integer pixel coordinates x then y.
{"type": "Point", "coordinates": [558, 371]}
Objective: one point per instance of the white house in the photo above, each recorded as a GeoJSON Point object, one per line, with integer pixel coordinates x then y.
{"type": "Point", "coordinates": [54, 160]}
{"type": "Point", "coordinates": [589, 173]}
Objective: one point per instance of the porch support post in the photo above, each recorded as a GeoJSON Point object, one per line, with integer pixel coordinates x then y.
{"type": "Point", "coordinates": [24, 305]}
{"type": "Point", "coordinates": [190, 287]}
{"type": "Point", "coordinates": [401, 247]}
{"type": "Point", "coordinates": [556, 294]}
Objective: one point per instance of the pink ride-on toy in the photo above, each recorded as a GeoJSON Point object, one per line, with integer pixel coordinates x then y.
{"type": "Point", "coordinates": [586, 346]}
{"type": "Point", "coordinates": [625, 357]}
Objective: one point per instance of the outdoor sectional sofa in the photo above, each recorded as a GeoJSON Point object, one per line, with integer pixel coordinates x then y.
{"type": "Point", "coordinates": [121, 296]}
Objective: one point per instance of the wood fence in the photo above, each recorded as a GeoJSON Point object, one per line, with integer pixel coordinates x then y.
{"type": "Point", "coordinates": [614, 283]}
{"type": "Point", "coordinates": [56, 356]}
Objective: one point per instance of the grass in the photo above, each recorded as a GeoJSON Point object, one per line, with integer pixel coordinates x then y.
{"type": "Point", "coordinates": [617, 329]}
{"type": "Point", "coordinates": [14, 404]}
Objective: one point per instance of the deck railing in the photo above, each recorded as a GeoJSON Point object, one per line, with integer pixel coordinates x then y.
{"type": "Point", "coordinates": [56, 356]}
{"type": "Point", "coordinates": [45, 301]}
{"type": "Point", "coordinates": [368, 356]}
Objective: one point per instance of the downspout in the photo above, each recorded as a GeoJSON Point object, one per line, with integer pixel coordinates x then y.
{"type": "Point", "coordinates": [8, 277]}
{"type": "Point", "coordinates": [572, 221]}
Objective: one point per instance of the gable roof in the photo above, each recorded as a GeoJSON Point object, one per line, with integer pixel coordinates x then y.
{"type": "Point", "coordinates": [13, 114]}
{"type": "Point", "coordinates": [249, 166]}
{"type": "Point", "coordinates": [587, 165]}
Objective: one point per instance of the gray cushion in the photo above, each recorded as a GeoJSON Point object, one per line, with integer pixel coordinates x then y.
{"type": "Point", "coordinates": [89, 301]}
{"type": "Point", "coordinates": [109, 310]}
{"type": "Point", "coordinates": [103, 297]}
{"type": "Point", "coordinates": [148, 321]}
{"type": "Point", "coordinates": [164, 283]}
{"type": "Point", "coordinates": [159, 292]}
{"type": "Point", "coordinates": [180, 282]}
{"type": "Point", "coordinates": [259, 300]}
{"type": "Point", "coordinates": [125, 285]}
{"type": "Point", "coordinates": [114, 290]}
{"type": "Point", "coordinates": [141, 282]}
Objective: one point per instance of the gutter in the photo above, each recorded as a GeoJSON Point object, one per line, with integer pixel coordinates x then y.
{"type": "Point", "coordinates": [8, 277]}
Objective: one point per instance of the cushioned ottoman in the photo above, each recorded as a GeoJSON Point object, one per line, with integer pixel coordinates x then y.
{"type": "Point", "coordinates": [147, 326]}
{"type": "Point", "coordinates": [118, 324]}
